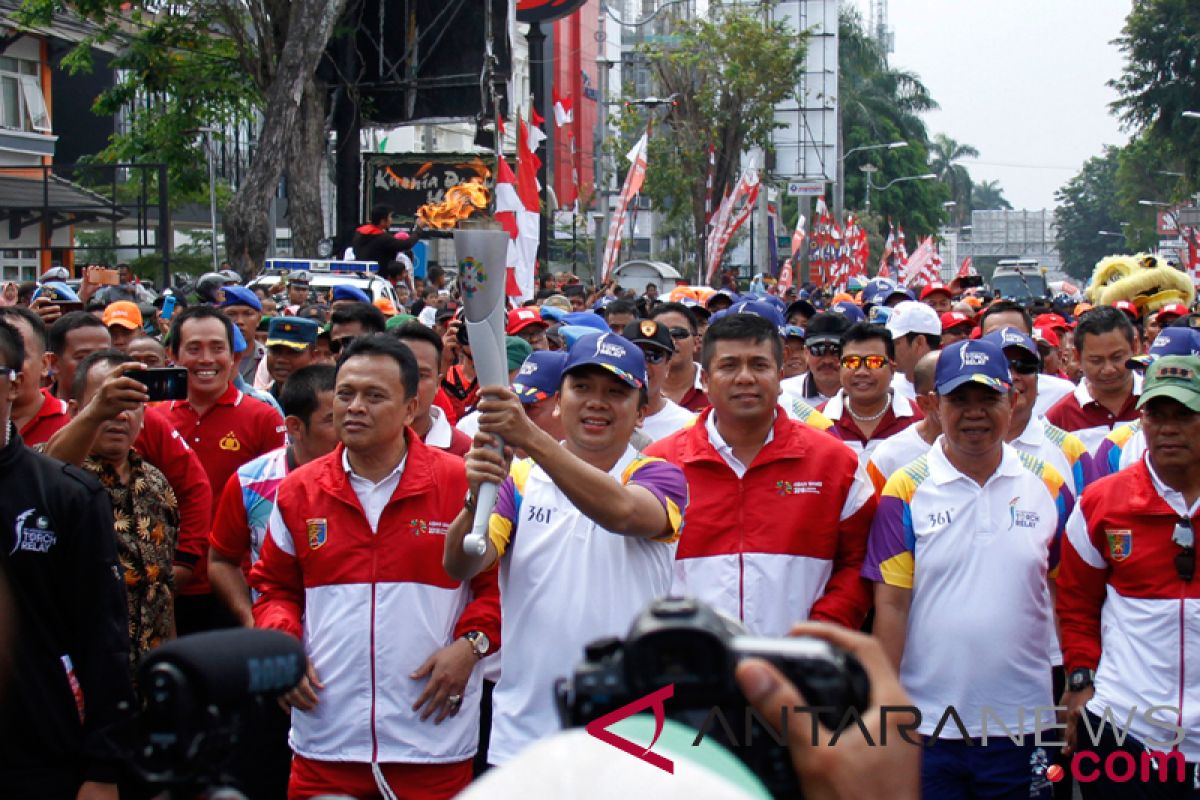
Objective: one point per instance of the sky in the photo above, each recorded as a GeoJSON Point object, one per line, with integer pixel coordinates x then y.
{"type": "Point", "coordinates": [1021, 80]}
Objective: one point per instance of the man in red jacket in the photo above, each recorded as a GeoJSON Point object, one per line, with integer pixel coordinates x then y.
{"type": "Point", "coordinates": [1129, 602]}
{"type": "Point", "coordinates": [352, 564]}
{"type": "Point", "coordinates": [777, 527]}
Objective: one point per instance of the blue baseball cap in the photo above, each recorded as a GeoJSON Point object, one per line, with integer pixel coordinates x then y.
{"type": "Point", "coordinates": [600, 304]}
{"type": "Point", "coordinates": [240, 296]}
{"type": "Point", "coordinates": [878, 290]}
{"type": "Point", "coordinates": [848, 310]}
{"type": "Point", "coordinates": [346, 292]}
{"type": "Point", "coordinates": [1169, 342]}
{"type": "Point", "coordinates": [1005, 338]}
{"type": "Point", "coordinates": [554, 313]}
{"type": "Point", "coordinates": [587, 319]}
{"type": "Point", "coordinates": [540, 375]}
{"type": "Point", "coordinates": [57, 290]}
{"type": "Point", "coordinates": [727, 294]}
{"type": "Point", "coordinates": [972, 361]}
{"type": "Point", "coordinates": [239, 341]}
{"type": "Point", "coordinates": [614, 353]}
{"type": "Point", "coordinates": [879, 315]}
{"type": "Point", "coordinates": [760, 307]}
{"type": "Point", "coordinates": [292, 332]}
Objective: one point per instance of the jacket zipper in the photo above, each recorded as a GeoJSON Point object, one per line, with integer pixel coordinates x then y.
{"type": "Point", "coordinates": [741, 550]}
{"type": "Point", "coordinates": [374, 577]}
{"type": "Point", "coordinates": [1182, 654]}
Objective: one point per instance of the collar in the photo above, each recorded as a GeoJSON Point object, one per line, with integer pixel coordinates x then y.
{"type": "Point", "coordinates": [718, 442]}
{"type": "Point", "coordinates": [440, 433]}
{"type": "Point", "coordinates": [1171, 497]}
{"type": "Point", "coordinates": [369, 229]}
{"type": "Point", "coordinates": [51, 407]}
{"type": "Point", "coordinates": [1033, 435]}
{"type": "Point", "coordinates": [901, 407]}
{"type": "Point", "coordinates": [1083, 395]}
{"type": "Point", "coordinates": [941, 471]}
{"type": "Point", "coordinates": [232, 396]}
{"type": "Point", "coordinates": [353, 476]}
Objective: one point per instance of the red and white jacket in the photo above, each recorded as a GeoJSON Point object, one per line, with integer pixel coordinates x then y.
{"type": "Point", "coordinates": [1124, 611]}
{"type": "Point", "coordinates": [371, 607]}
{"type": "Point", "coordinates": [785, 542]}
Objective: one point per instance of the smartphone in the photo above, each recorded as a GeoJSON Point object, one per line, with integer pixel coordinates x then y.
{"type": "Point", "coordinates": [168, 308]}
{"type": "Point", "coordinates": [165, 383]}
{"type": "Point", "coordinates": [102, 276]}
{"type": "Point", "coordinates": [68, 306]}
{"type": "Point", "coordinates": [970, 281]}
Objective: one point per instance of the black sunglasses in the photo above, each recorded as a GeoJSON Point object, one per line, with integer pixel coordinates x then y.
{"type": "Point", "coordinates": [1024, 366]}
{"type": "Point", "coordinates": [822, 349]}
{"type": "Point", "coordinates": [680, 333]}
{"type": "Point", "coordinates": [1185, 559]}
{"type": "Point", "coordinates": [336, 345]}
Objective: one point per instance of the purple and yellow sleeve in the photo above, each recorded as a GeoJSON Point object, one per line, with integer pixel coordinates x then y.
{"type": "Point", "coordinates": [667, 483]}
{"type": "Point", "coordinates": [1064, 501]}
{"type": "Point", "coordinates": [504, 516]}
{"type": "Point", "coordinates": [892, 541]}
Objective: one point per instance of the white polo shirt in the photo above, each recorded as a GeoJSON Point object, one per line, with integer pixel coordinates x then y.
{"type": "Point", "coordinates": [564, 582]}
{"type": "Point", "coordinates": [671, 418]}
{"type": "Point", "coordinates": [1051, 389]}
{"type": "Point", "coordinates": [893, 453]}
{"type": "Point", "coordinates": [976, 559]}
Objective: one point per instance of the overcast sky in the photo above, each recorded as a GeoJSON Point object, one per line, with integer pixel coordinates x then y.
{"type": "Point", "coordinates": [1021, 80]}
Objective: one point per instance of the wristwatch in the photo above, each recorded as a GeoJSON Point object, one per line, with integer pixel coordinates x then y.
{"type": "Point", "coordinates": [469, 502]}
{"type": "Point", "coordinates": [480, 643]}
{"type": "Point", "coordinates": [1081, 679]}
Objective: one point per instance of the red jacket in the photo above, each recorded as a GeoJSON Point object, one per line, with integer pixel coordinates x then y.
{"type": "Point", "coordinates": [372, 607]}
{"type": "Point", "coordinates": [785, 542]}
{"type": "Point", "coordinates": [1123, 609]}
{"type": "Point", "coordinates": [163, 447]}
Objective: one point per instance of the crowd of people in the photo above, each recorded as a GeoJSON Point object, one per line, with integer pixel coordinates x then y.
{"type": "Point", "coordinates": [1002, 497]}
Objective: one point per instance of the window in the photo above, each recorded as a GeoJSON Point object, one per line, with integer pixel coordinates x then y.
{"type": "Point", "coordinates": [22, 104]}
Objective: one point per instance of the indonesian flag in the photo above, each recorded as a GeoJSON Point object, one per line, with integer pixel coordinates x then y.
{"type": "Point", "coordinates": [1192, 263]}
{"type": "Point", "coordinates": [920, 269]}
{"type": "Point", "coordinates": [517, 212]}
{"type": "Point", "coordinates": [798, 237]}
{"type": "Point", "coordinates": [536, 134]}
{"type": "Point", "coordinates": [884, 271]}
{"type": "Point", "coordinates": [727, 221]}
{"type": "Point", "coordinates": [901, 248]}
{"type": "Point", "coordinates": [967, 269]}
{"type": "Point", "coordinates": [785, 276]}
{"type": "Point", "coordinates": [889, 250]}
{"type": "Point", "coordinates": [563, 115]}
{"type": "Point", "coordinates": [633, 185]}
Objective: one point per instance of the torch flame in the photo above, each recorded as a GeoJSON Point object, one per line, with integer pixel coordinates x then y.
{"type": "Point", "coordinates": [461, 201]}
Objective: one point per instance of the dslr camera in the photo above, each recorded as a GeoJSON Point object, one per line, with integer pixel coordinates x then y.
{"type": "Point", "coordinates": [686, 643]}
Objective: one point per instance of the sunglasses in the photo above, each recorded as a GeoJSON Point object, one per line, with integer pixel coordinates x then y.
{"type": "Point", "coordinates": [1185, 559]}
{"type": "Point", "coordinates": [9, 373]}
{"type": "Point", "coordinates": [870, 362]}
{"type": "Point", "coordinates": [822, 349]}
{"type": "Point", "coordinates": [655, 356]}
{"type": "Point", "coordinates": [336, 345]}
{"type": "Point", "coordinates": [679, 333]}
{"type": "Point", "coordinates": [1024, 366]}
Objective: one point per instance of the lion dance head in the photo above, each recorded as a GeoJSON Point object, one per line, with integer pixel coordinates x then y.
{"type": "Point", "coordinates": [1145, 280]}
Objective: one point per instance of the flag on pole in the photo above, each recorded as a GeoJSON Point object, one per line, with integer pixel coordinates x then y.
{"type": "Point", "coordinates": [536, 134]}
{"type": "Point", "coordinates": [563, 114]}
{"type": "Point", "coordinates": [633, 184]}
{"type": "Point", "coordinates": [889, 251]}
{"type": "Point", "coordinates": [727, 220]}
{"type": "Point", "coordinates": [517, 207]}
{"type": "Point", "coordinates": [918, 269]}
{"type": "Point", "coordinates": [772, 239]}
{"type": "Point", "coordinates": [901, 248]}
{"type": "Point", "coordinates": [798, 238]}
{"type": "Point", "coordinates": [967, 269]}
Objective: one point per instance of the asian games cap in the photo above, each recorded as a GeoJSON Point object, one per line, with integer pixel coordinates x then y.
{"type": "Point", "coordinates": [241, 296]}
{"type": "Point", "coordinates": [849, 310]}
{"type": "Point", "coordinates": [292, 332]}
{"type": "Point", "coordinates": [540, 375]}
{"type": "Point", "coordinates": [911, 316]}
{"type": "Point", "coordinates": [972, 361]}
{"type": "Point", "coordinates": [1176, 377]}
{"type": "Point", "coordinates": [878, 290]}
{"type": "Point", "coordinates": [1169, 342]}
{"type": "Point", "coordinates": [1005, 338]}
{"type": "Point", "coordinates": [587, 319]}
{"type": "Point", "coordinates": [348, 292]}
{"type": "Point", "coordinates": [760, 307]}
{"type": "Point", "coordinates": [614, 353]}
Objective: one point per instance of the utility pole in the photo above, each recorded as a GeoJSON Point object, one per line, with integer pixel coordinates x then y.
{"type": "Point", "coordinates": [600, 168]}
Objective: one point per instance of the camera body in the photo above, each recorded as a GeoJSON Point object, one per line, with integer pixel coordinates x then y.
{"type": "Point", "coordinates": [685, 643]}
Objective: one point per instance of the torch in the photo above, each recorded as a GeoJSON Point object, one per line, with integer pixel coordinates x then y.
{"type": "Point", "coordinates": [481, 248]}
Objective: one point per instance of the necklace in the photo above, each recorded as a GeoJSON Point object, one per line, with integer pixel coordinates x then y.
{"type": "Point", "coordinates": [873, 417]}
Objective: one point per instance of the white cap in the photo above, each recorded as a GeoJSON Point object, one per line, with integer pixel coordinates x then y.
{"type": "Point", "coordinates": [911, 316]}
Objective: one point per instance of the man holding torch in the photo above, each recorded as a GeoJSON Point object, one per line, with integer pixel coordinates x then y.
{"type": "Point", "coordinates": [596, 519]}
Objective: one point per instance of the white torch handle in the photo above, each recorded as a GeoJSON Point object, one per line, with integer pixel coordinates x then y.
{"type": "Point", "coordinates": [491, 369]}
{"type": "Point", "coordinates": [475, 542]}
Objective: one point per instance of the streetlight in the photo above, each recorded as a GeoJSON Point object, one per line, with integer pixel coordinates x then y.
{"type": "Point", "coordinates": [1110, 233]}
{"type": "Point", "coordinates": [839, 189]}
{"type": "Point", "coordinates": [928, 176]}
{"type": "Point", "coordinates": [212, 189]}
{"type": "Point", "coordinates": [1191, 114]}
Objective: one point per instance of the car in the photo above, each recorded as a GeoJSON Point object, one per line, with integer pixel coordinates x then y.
{"type": "Point", "coordinates": [325, 274]}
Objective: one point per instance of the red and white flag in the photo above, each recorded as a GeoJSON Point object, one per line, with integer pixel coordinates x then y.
{"type": "Point", "coordinates": [633, 185]}
{"type": "Point", "coordinates": [708, 185]}
{"type": "Point", "coordinates": [798, 236]}
{"type": "Point", "coordinates": [735, 209]}
{"type": "Point", "coordinates": [517, 208]}
{"type": "Point", "coordinates": [967, 269]}
{"type": "Point", "coordinates": [919, 269]}
{"type": "Point", "coordinates": [889, 250]}
{"type": "Point", "coordinates": [563, 114]}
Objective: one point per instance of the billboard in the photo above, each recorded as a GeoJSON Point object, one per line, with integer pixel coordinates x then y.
{"type": "Point", "coordinates": [806, 145]}
{"type": "Point", "coordinates": [407, 181]}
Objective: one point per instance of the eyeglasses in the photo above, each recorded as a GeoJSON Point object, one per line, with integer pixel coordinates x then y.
{"type": "Point", "coordinates": [336, 345]}
{"type": "Point", "coordinates": [1185, 559]}
{"type": "Point", "coordinates": [870, 362]}
{"type": "Point", "coordinates": [822, 349]}
{"type": "Point", "coordinates": [654, 356]}
{"type": "Point", "coordinates": [9, 373]}
{"type": "Point", "coordinates": [1024, 366]}
{"type": "Point", "coordinates": [680, 333]}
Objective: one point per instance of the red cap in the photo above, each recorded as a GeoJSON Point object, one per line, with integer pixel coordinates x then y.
{"type": "Point", "coordinates": [936, 286]}
{"type": "Point", "coordinates": [953, 319]}
{"type": "Point", "coordinates": [1052, 321]}
{"type": "Point", "coordinates": [976, 332]}
{"type": "Point", "coordinates": [521, 318]}
{"type": "Point", "coordinates": [1128, 307]}
{"type": "Point", "coordinates": [1045, 334]}
{"type": "Point", "coordinates": [1172, 309]}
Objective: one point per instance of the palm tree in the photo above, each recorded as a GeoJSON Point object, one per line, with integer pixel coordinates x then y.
{"type": "Point", "coordinates": [944, 152]}
{"type": "Point", "coordinates": [988, 196]}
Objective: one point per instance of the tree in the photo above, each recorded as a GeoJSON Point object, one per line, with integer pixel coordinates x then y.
{"type": "Point", "coordinates": [988, 196]}
{"type": "Point", "coordinates": [945, 152]}
{"type": "Point", "coordinates": [726, 74]}
{"type": "Point", "coordinates": [184, 67]}
{"type": "Point", "coordinates": [1088, 204]}
{"type": "Point", "coordinates": [1161, 44]}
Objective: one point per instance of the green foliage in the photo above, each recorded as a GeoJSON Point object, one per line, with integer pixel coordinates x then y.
{"type": "Point", "coordinates": [988, 196]}
{"type": "Point", "coordinates": [1161, 44]}
{"type": "Point", "coordinates": [957, 180]}
{"type": "Point", "coordinates": [1089, 204]}
{"type": "Point", "coordinates": [100, 247]}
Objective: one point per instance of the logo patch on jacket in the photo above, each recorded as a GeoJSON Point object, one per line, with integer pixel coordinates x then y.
{"type": "Point", "coordinates": [785, 488]}
{"type": "Point", "coordinates": [1120, 544]}
{"type": "Point", "coordinates": [229, 442]}
{"type": "Point", "coordinates": [33, 534]}
{"type": "Point", "coordinates": [318, 533]}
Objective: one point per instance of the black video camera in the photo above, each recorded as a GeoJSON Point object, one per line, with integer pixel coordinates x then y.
{"type": "Point", "coordinates": [685, 643]}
